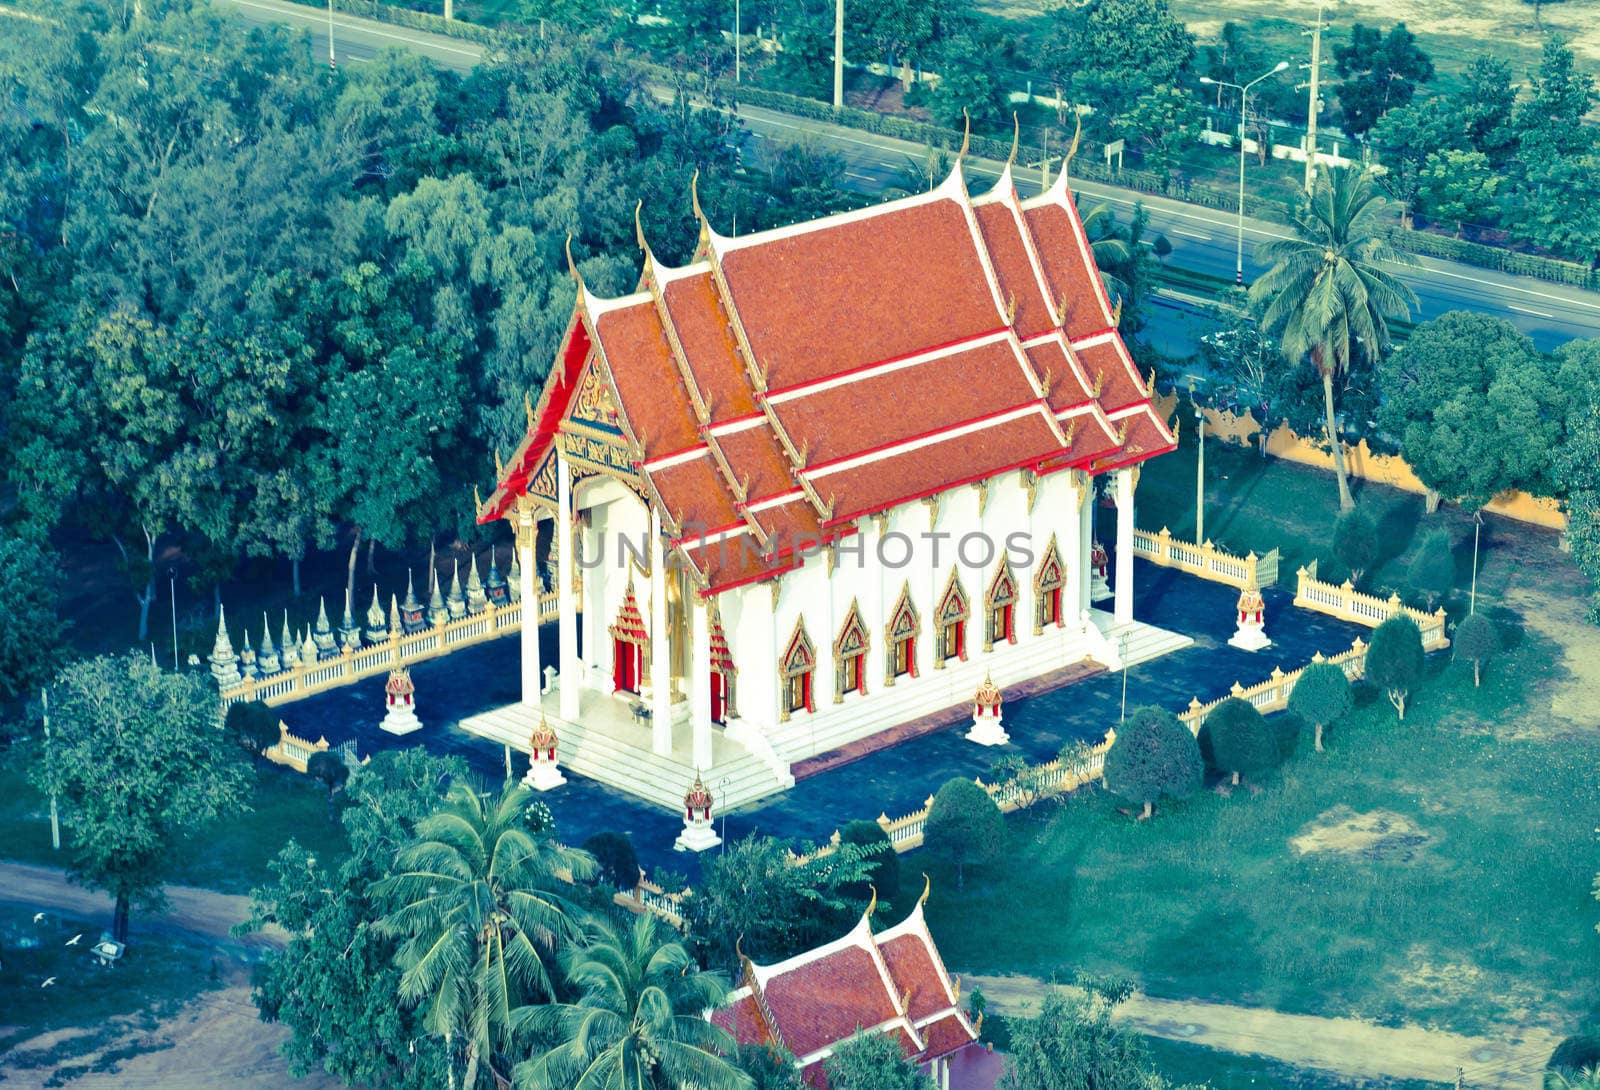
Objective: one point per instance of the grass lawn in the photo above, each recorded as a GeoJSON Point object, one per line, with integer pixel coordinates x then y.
{"type": "Point", "coordinates": [1183, 1063]}
{"type": "Point", "coordinates": [1470, 907]}
{"type": "Point", "coordinates": [231, 856]}
{"type": "Point", "coordinates": [1475, 911]}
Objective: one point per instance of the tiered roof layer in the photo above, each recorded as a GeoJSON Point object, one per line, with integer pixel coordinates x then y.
{"type": "Point", "coordinates": [790, 382]}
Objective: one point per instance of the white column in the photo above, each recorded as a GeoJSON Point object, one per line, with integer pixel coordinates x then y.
{"type": "Point", "coordinates": [527, 528]}
{"type": "Point", "coordinates": [1080, 578]}
{"type": "Point", "coordinates": [1122, 610]}
{"type": "Point", "coordinates": [700, 683]}
{"type": "Point", "coordinates": [567, 602]}
{"type": "Point", "coordinates": [660, 645]}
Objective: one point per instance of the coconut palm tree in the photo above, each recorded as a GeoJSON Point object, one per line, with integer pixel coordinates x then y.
{"type": "Point", "coordinates": [639, 1024]}
{"type": "Point", "coordinates": [1568, 1079]}
{"type": "Point", "coordinates": [1328, 290]}
{"type": "Point", "coordinates": [477, 896]}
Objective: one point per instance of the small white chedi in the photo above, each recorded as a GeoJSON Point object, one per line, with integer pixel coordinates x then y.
{"type": "Point", "coordinates": [986, 729]}
{"type": "Point", "coordinates": [1251, 634]}
{"type": "Point", "coordinates": [699, 831]}
{"type": "Point", "coordinates": [543, 771]}
{"type": "Point", "coordinates": [400, 697]}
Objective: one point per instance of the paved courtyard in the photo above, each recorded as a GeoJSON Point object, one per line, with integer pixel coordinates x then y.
{"type": "Point", "coordinates": [893, 781]}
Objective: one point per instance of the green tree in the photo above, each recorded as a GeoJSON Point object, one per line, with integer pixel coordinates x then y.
{"type": "Point", "coordinates": [478, 901]}
{"type": "Point", "coordinates": [1073, 1042]}
{"type": "Point", "coordinates": [1432, 571]}
{"type": "Point", "coordinates": [755, 889]}
{"type": "Point", "coordinates": [1476, 640]}
{"type": "Point", "coordinates": [1321, 697]}
{"type": "Point", "coordinates": [1485, 108]}
{"type": "Point", "coordinates": [253, 726]}
{"type": "Point", "coordinates": [1460, 186]}
{"type": "Point", "coordinates": [1561, 205]}
{"type": "Point", "coordinates": [1577, 475]}
{"type": "Point", "coordinates": [969, 82]}
{"type": "Point", "coordinates": [964, 826]}
{"type": "Point", "coordinates": [1163, 123]}
{"type": "Point", "coordinates": [32, 637]}
{"type": "Point", "coordinates": [1407, 139]}
{"type": "Point", "coordinates": [883, 865]}
{"type": "Point", "coordinates": [1355, 542]}
{"type": "Point", "coordinates": [639, 1020]}
{"type": "Point", "coordinates": [131, 756]}
{"type": "Point", "coordinates": [769, 1067]}
{"type": "Point", "coordinates": [1476, 407]}
{"type": "Point", "coordinates": [328, 769]}
{"type": "Point", "coordinates": [1328, 293]}
{"type": "Point", "coordinates": [334, 983]}
{"type": "Point", "coordinates": [616, 858]}
{"type": "Point", "coordinates": [1550, 122]}
{"type": "Point", "coordinates": [1242, 741]}
{"type": "Point", "coordinates": [873, 1061]}
{"type": "Point", "coordinates": [1394, 660]}
{"type": "Point", "coordinates": [1154, 756]}
{"type": "Point", "coordinates": [1379, 72]}
{"type": "Point", "coordinates": [1107, 53]}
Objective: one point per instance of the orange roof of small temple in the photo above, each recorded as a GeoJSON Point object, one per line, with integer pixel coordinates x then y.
{"type": "Point", "coordinates": [893, 982]}
{"type": "Point", "coordinates": [789, 382]}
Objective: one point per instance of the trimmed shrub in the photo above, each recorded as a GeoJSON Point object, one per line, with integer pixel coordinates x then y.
{"type": "Point", "coordinates": [1242, 742]}
{"type": "Point", "coordinates": [618, 862]}
{"type": "Point", "coordinates": [328, 768]}
{"type": "Point", "coordinates": [1394, 659]}
{"type": "Point", "coordinates": [1477, 640]}
{"type": "Point", "coordinates": [1321, 697]}
{"type": "Point", "coordinates": [252, 725]}
{"type": "Point", "coordinates": [1432, 571]}
{"type": "Point", "coordinates": [885, 866]}
{"type": "Point", "coordinates": [964, 826]}
{"type": "Point", "coordinates": [1154, 756]}
{"type": "Point", "coordinates": [1355, 542]}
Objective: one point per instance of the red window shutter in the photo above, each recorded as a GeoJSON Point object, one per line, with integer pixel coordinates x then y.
{"type": "Point", "coordinates": [861, 674]}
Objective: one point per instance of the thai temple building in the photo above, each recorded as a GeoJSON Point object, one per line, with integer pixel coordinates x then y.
{"type": "Point", "coordinates": [822, 481]}
{"type": "Point", "coordinates": [891, 982]}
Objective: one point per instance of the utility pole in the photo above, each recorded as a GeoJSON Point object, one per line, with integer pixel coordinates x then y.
{"type": "Point", "coordinates": [736, 41]}
{"type": "Point", "coordinates": [172, 592]}
{"type": "Point", "coordinates": [331, 65]}
{"type": "Point", "coordinates": [838, 53]}
{"type": "Point", "coordinates": [449, 10]}
{"type": "Point", "coordinates": [1314, 103]}
{"type": "Point", "coordinates": [1199, 470]}
{"type": "Point", "coordinates": [55, 819]}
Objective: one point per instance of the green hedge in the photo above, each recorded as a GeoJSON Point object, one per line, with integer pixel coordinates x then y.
{"type": "Point", "coordinates": [416, 20]}
{"type": "Point", "coordinates": [1494, 257]}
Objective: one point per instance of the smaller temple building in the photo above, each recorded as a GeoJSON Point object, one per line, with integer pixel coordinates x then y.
{"type": "Point", "coordinates": [891, 982]}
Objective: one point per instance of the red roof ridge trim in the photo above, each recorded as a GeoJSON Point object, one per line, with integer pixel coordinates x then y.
{"type": "Point", "coordinates": [927, 439]}
{"type": "Point", "coordinates": [889, 366]}
{"type": "Point", "coordinates": [1093, 340]}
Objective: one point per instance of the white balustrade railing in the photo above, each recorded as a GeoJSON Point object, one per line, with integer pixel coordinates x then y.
{"type": "Point", "coordinates": [1272, 695]}
{"type": "Point", "coordinates": [1206, 560]}
{"type": "Point", "coordinates": [1348, 604]}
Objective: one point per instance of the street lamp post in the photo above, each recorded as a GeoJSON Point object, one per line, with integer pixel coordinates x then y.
{"type": "Point", "coordinates": [1244, 95]}
{"type": "Point", "coordinates": [55, 819]}
{"type": "Point", "coordinates": [330, 35]}
{"type": "Point", "coordinates": [736, 41]}
{"type": "Point", "coordinates": [1477, 525]}
{"type": "Point", "coordinates": [1199, 469]}
{"type": "Point", "coordinates": [172, 592]}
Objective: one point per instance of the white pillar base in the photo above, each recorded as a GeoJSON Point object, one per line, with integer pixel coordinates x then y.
{"type": "Point", "coordinates": [543, 776]}
{"type": "Point", "coordinates": [987, 731]}
{"type": "Point", "coordinates": [550, 675]}
{"type": "Point", "coordinates": [400, 720]}
{"type": "Point", "coordinates": [697, 836]}
{"type": "Point", "coordinates": [1250, 637]}
{"type": "Point", "coordinates": [1099, 589]}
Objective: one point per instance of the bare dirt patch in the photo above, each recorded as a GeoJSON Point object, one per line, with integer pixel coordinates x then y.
{"type": "Point", "coordinates": [1560, 617]}
{"type": "Point", "coordinates": [1381, 835]}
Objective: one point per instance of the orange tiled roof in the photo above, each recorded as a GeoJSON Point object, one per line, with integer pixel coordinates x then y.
{"type": "Point", "coordinates": [794, 380]}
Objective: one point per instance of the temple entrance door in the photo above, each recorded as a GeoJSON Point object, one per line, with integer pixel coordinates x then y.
{"type": "Point", "coordinates": [626, 666]}
{"type": "Point", "coordinates": [719, 698]}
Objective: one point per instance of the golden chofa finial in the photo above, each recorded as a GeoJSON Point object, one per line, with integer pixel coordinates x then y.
{"type": "Point", "coordinates": [1077, 134]}
{"type": "Point", "coordinates": [477, 501]}
{"type": "Point", "coordinates": [694, 197]}
{"type": "Point", "coordinates": [572, 266]}
{"type": "Point", "coordinates": [499, 466]}
{"type": "Point", "coordinates": [1116, 313]}
{"type": "Point", "coordinates": [966, 134]}
{"type": "Point", "coordinates": [638, 226]}
{"type": "Point", "coordinates": [1150, 388]}
{"type": "Point", "coordinates": [927, 888]}
{"type": "Point", "coordinates": [527, 407]}
{"type": "Point", "coordinates": [1016, 137]}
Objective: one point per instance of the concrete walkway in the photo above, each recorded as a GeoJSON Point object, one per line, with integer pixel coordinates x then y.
{"type": "Point", "coordinates": [1511, 1058]}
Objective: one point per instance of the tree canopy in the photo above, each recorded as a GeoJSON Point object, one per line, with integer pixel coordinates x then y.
{"type": "Point", "coordinates": [1321, 697]}
{"type": "Point", "coordinates": [1242, 741]}
{"type": "Point", "coordinates": [964, 826]}
{"type": "Point", "coordinates": [1394, 659]}
{"type": "Point", "coordinates": [1154, 756]}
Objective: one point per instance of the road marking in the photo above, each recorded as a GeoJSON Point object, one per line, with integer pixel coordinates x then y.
{"type": "Point", "coordinates": [316, 20]}
{"type": "Point", "coordinates": [1188, 234]}
{"type": "Point", "coordinates": [1525, 310]}
{"type": "Point", "coordinates": [863, 177]}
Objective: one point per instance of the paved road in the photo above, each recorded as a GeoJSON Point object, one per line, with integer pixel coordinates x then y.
{"type": "Point", "coordinates": [1510, 1059]}
{"type": "Point", "coordinates": [1203, 240]}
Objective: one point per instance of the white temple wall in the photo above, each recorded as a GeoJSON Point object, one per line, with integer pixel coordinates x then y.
{"type": "Point", "coordinates": [758, 639]}
{"type": "Point", "coordinates": [619, 524]}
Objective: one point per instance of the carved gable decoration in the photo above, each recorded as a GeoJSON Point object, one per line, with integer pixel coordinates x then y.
{"type": "Point", "coordinates": [543, 483]}
{"type": "Point", "coordinates": [953, 604]}
{"type": "Point", "coordinates": [800, 655]}
{"type": "Point", "coordinates": [853, 638]}
{"type": "Point", "coordinates": [596, 403]}
{"type": "Point", "coordinates": [904, 621]}
{"type": "Point", "coordinates": [1052, 574]}
{"type": "Point", "coordinates": [1003, 587]}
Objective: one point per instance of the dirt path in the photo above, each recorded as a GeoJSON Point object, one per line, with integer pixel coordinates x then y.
{"type": "Point", "coordinates": [199, 911]}
{"type": "Point", "coordinates": [1512, 1059]}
